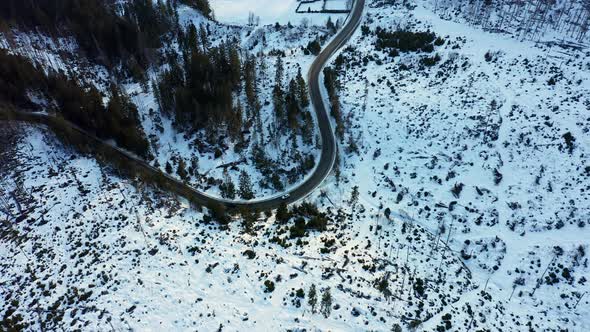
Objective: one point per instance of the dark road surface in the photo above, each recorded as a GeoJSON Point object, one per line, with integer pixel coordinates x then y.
{"type": "Point", "coordinates": [166, 182]}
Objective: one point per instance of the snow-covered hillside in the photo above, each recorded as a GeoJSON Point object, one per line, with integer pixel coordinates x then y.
{"type": "Point", "coordinates": [208, 166]}
{"type": "Point", "coordinates": [170, 145]}
{"type": "Point", "coordinates": [563, 21]}
{"type": "Point", "coordinates": [488, 148]}
{"type": "Point", "coordinates": [465, 206]}
{"type": "Point", "coordinates": [86, 249]}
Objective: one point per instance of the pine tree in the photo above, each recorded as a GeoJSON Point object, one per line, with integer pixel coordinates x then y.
{"type": "Point", "coordinates": [314, 47]}
{"type": "Point", "coordinates": [248, 220]}
{"type": "Point", "coordinates": [419, 287]}
{"type": "Point", "coordinates": [279, 71]}
{"type": "Point", "coordinates": [194, 166]}
{"type": "Point", "coordinates": [283, 215]}
{"type": "Point", "coordinates": [181, 169]}
{"type": "Point", "coordinates": [352, 145]}
{"type": "Point", "coordinates": [354, 196]}
{"type": "Point", "coordinates": [219, 213]}
{"type": "Point", "coordinates": [250, 83]}
{"type": "Point", "coordinates": [121, 121]}
{"type": "Point", "coordinates": [168, 168]}
{"type": "Point", "coordinates": [203, 35]}
{"type": "Point", "coordinates": [245, 190]}
{"type": "Point", "coordinates": [234, 125]}
{"type": "Point", "coordinates": [330, 25]}
{"type": "Point", "coordinates": [235, 65]}
{"type": "Point", "coordinates": [326, 304]}
{"type": "Point", "coordinates": [278, 99]}
{"type": "Point", "coordinates": [292, 105]}
{"type": "Point", "coordinates": [312, 298]}
{"type": "Point", "coordinates": [332, 85]}
{"type": "Point", "coordinates": [192, 39]}
{"type": "Point", "coordinates": [307, 129]}
{"type": "Point", "coordinates": [262, 63]}
{"type": "Point", "coordinates": [227, 188]}
{"type": "Point", "coordinates": [302, 89]}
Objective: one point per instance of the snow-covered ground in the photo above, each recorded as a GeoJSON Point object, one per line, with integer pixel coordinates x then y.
{"type": "Point", "coordinates": [95, 251]}
{"type": "Point", "coordinates": [266, 42]}
{"type": "Point", "coordinates": [270, 11]}
{"type": "Point", "coordinates": [471, 152]}
{"type": "Point", "coordinates": [427, 130]}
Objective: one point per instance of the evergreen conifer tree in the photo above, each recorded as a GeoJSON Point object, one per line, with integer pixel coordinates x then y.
{"type": "Point", "coordinates": [312, 298]}
{"type": "Point", "coordinates": [326, 304]}
{"type": "Point", "coordinates": [245, 189]}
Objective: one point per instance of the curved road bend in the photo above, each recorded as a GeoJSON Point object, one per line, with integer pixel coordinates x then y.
{"type": "Point", "coordinates": [152, 174]}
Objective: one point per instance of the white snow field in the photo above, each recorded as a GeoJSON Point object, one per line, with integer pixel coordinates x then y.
{"type": "Point", "coordinates": [472, 214]}
{"type": "Point", "coordinates": [270, 11]}
{"type": "Point", "coordinates": [98, 252]}
{"type": "Point", "coordinates": [425, 131]}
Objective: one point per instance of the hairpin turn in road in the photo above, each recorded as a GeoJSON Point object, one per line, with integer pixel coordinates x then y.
{"type": "Point", "coordinates": [136, 164]}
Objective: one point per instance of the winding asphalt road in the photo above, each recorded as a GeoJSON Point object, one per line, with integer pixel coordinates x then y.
{"type": "Point", "coordinates": [150, 173]}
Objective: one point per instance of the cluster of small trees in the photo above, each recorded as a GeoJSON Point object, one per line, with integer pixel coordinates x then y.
{"type": "Point", "coordinates": [406, 41]}
{"type": "Point", "coordinates": [244, 190]}
{"type": "Point", "coordinates": [313, 47]}
{"type": "Point", "coordinates": [17, 75]}
{"type": "Point", "coordinates": [306, 217]}
{"type": "Point", "coordinates": [200, 5]}
{"type": "Point", "coordinates": [290, 103]}
{"type": "Point", "coordinates": [227, 187]}
{"type": "Point", "coordinates": [325, 305]}
{"type": "Point", "coordinates": [332, 86]}
{"type": "Point", "coordinates": [20, 79]}
{"type": "Point", "coordinates": [198, 89]}
{"type": "Point", "coordinates": [398, 41]}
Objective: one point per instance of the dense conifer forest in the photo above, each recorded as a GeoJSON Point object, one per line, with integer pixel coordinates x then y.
{"type": "Point", "coordinates": [109, 33]}
{"type": "Point", "coordinates": [22, 83]}
{"type": "Point", "coordinates": [127, 38]}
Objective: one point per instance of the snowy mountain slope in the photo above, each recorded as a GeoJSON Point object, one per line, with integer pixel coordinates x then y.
{"type": "Point", "coordinates": [55, 54]}
{"type": "Point", "coordinates": [434, 137]}
{"type": "Point", "coordinates": [292, 156]}
{"type": "Point", "coordinates": [563, 21]}
{"type": "Point", "coordinates": [92, 251]}
{"type": "Point", "coordinates": [169, 145]}
{"type": "Point", "coordinates": [472, 210]}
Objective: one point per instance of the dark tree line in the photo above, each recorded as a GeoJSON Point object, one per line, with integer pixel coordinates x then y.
{"type": "Point", "coordinates": [20, 79]}
{"type": "Point", "coordinates": [306, 217]}
{"type": "Point", "coordinates": [198, 88]}
{"type": "Point", "coordinates": [332, 85]}
{"type": "Point", "coordinates": [290, 103]}
{"type": "Point", "coordinates": [107, 33]}
{"type": "Point", "coordinates": [398, 41]}
{"type": "Point", "coordinates": [405, 41]}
